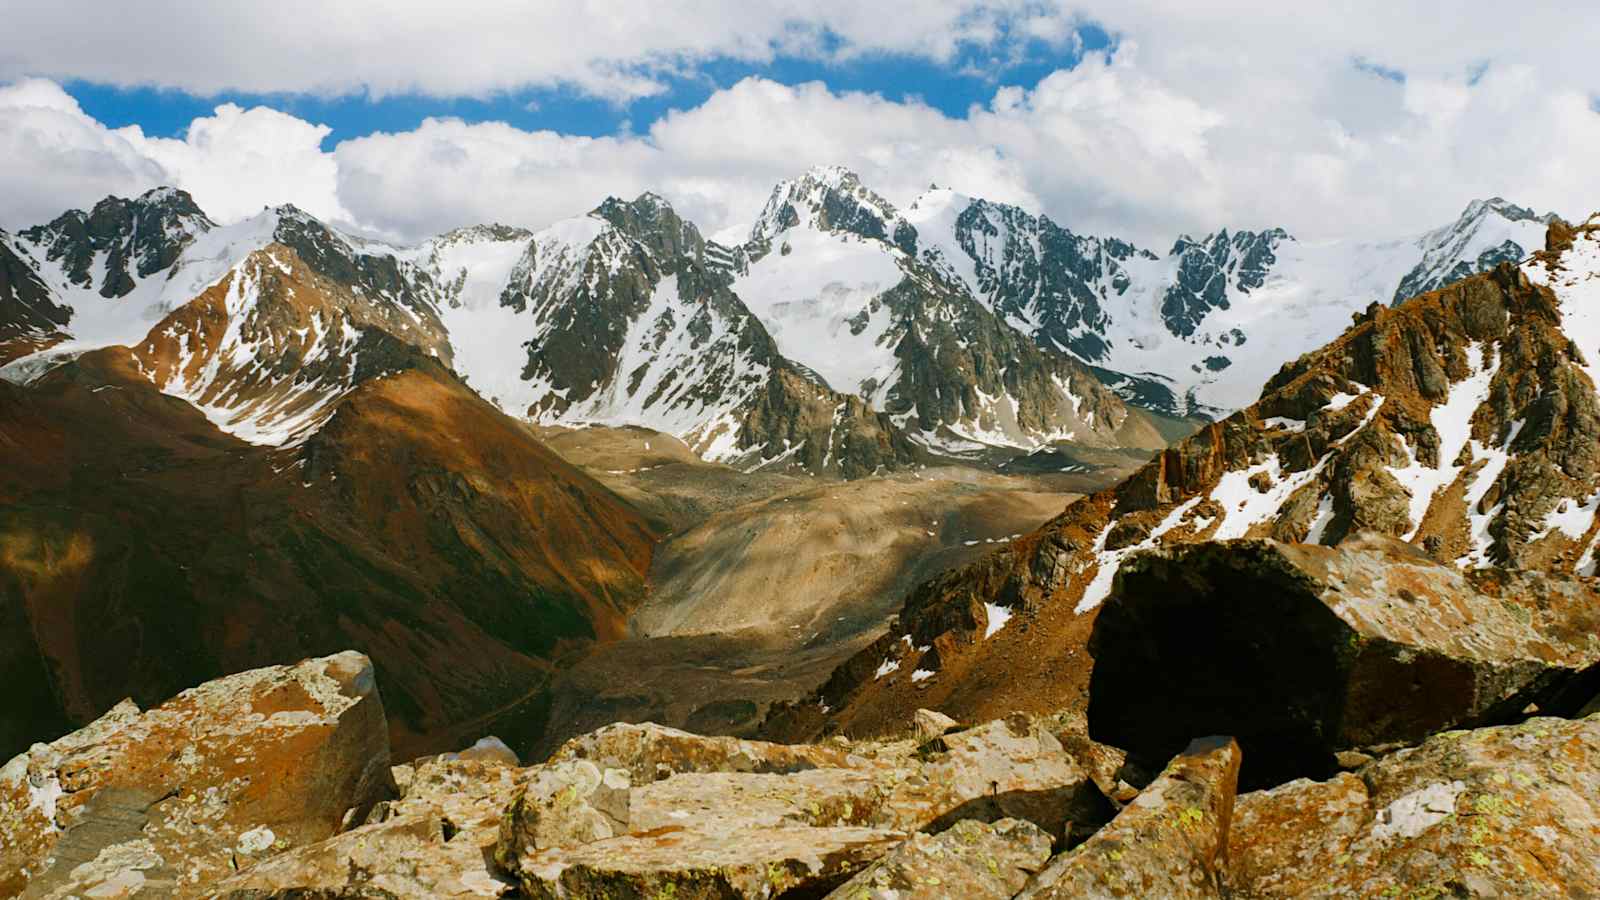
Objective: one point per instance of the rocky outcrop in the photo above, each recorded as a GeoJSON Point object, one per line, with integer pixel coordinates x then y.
{"type": "Point", "coordinates": [1171, 841]}
{"type": "Point", "coordinates": [135, 238]}
{"type": "Point", "coordinates": [1208, 267]}
{"type": "Point", "coordinates": [1496, 812]}
{"type": "Point", "coordinates": [730, 818]}
{"type": "Point", "coordinates": [1305, 651]}
{"type": "Point", "coordinates": [976, 860]}
{"type": "Point", "coordinates": [651, 752]}
{"type": "Point", "coordinates": [30, 319]}
{"type": "Point", "coordinates": [1463, 422]}
{"type": "Point", "coordinates": [276, 783]}
{"type": "Point", "coordinates": [169, 800]}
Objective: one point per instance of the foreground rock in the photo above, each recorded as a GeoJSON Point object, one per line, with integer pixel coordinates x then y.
{"type": "Point", "coordinates": [973, 860]}
{"type": "Point", "coordinates": [436, 840]}
{"type": "Point", "coordinates": [731, 818]}
{"type": "Point", "coordinates": [167, 801]}
{"type": "Point", "coordinates": [1497, 812]}
{"type": "Point", "coordinates": [1303, 651]}
{"type": "Point", "coordinates": [1170, 842]}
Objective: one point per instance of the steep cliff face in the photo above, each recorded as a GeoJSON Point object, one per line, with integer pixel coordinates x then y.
{"type": "Point", "coordinates": [847, 286]}
{"type": "Point", "coordinates": [30, 319]}
{"type": "Point", "coordinates": [1464, 422]}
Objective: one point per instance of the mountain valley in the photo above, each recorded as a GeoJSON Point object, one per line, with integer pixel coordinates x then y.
{"type": "Point", "coordinates": [866, 464]}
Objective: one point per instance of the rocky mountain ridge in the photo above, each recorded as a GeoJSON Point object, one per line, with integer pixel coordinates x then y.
{"type": "Point", "coordinates": [1167, 332]}
{"type": "Point", "coordinates": [1462, 422]}
{"type": "Point", "coordinates": [839, 335]}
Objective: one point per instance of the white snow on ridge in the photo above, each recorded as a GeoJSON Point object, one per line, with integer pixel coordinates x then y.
{"type": "Point", "coordinates": [485, 337]}
{"type": "Point", "coordinates": [1307, 299]}
{"type": "Point", "coordinates": [274, 415]}
{"type": "Point", "coordinates": [103, 321]}
{"type": "Point", "coordinates": [661, 376]}
{"type": "Point", "coordinates": [808, 297]}
{"type": "Point", "coordinates": [1452, 420]}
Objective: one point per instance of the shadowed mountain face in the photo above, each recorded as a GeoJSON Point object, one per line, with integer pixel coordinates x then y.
{"type": "Point", "coordinates": [142, 549]}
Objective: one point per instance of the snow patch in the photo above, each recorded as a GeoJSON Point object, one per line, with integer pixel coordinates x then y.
{"type": "Point", "coordinates": [997, 616]}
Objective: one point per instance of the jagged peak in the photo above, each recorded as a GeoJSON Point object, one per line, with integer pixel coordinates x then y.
{"type": "Point", "coordinates": [168, 195]}
{"type": "Point", "coordinates": [1506, 209]}
{"type": "Point", "coordinates": [831, 198]}
{"type": "Point", "coordinates": [174, 203]}
{"type": "Point", "coordinates": [1239, 239]}
{"type": "Point", "coordinates": [486, 231]}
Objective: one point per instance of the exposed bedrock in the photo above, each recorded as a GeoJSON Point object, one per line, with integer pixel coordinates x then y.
{"type": "Point", "coordinates": [1305, 651]}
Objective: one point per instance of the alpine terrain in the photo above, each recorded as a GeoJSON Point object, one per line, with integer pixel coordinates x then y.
{"type": "Point", "coordinates": [334, 567]}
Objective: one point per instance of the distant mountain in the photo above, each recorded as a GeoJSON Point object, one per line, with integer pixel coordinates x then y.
{"type": "Point", "coordinates": [1169, 332]}
{"type": "Point", "coordinates": [625, 316]}
{"type": "Point", "coordinates": [840, 335]}
{"type": "Point", "coordinates": [832, 269]}
{"type": "Point", "coordinates": [1464, 421]}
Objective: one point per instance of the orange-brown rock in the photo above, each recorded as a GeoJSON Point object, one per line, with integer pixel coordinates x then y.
{"type": "Point", "coordinates": [1512, 811]}
{"type": "Point", "coordinates": [1170, 842]}
{"type": "Point", "coordinates": [169, 800]}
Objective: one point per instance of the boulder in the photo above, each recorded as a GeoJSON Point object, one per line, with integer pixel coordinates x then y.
{"type": "Point", "coordinates": [975, 860]}
{"type": "Point", "coordinates": [491, 749]}
{"type": "Point", "coordinates": [436, 840]}
{"type": "Point", "coordinates": [649, 752]}
{"type": "Point", "coordinates": [412, 858]}
{"type": "Point", "coordinates": [1284, 841]}
{"type": "Point", "coordinates": [1304, 651]}
{"type": "Point", "coordinates": [930, 724]}
{"type": "Point", "coordinates": [1510, 811]}
{"type": "Point", "coordinates": [565, 804]}
{"type": "Point", "coordinates": [169, 800]}
{"type": "Point", "coordinates": [713, 833]}
{"type": "Point", "coordinates": [707, 865]}
{"type": "Point", "coordinates": [1170, 842]}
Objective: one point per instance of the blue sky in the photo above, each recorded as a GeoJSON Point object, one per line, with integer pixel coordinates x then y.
{"type": "Point", "coordinates": [951, 86]}
{"type": "Point", "coordinates": [1143, 119]}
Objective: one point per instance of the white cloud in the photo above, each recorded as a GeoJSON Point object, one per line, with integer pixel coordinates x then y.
{"type": "Point", "coordinates": [1208, 115]}
{"type": "Point", "coordinates": [57, 157]}
{"type": "Point", "coordinates": [241, 160]}
{"type": "Point", "coordinates": [475, 47]}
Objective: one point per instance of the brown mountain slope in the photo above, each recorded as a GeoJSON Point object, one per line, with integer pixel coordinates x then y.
{"type": "Point", "coordinates": [1464, 421]}
{"type": "Point", "coordinates": [142, 550]}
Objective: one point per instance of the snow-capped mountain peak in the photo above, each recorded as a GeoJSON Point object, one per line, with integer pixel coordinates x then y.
{"type": "Point", "coordinates": [832, 199]}
{"type": "Point", "coordinates": [1487, 232]}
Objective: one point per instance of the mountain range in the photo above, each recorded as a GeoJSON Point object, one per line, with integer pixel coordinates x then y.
{"type": "Point", "coordinates": [274, 437]}
{"type": "Point", "coordinates": [843, 335]}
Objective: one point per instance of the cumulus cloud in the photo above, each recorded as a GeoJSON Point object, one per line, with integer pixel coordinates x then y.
{"type": "Point", "coordinates": [474, 47]}
{"type": "Point", "coordinates": [234, 162]}
{"type": "Point", "coordinates": [1363, 121]}
{"type": "Point", "coordinates": [57, 157]}
{"type": "Point", "coordinates": [240, 160]}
